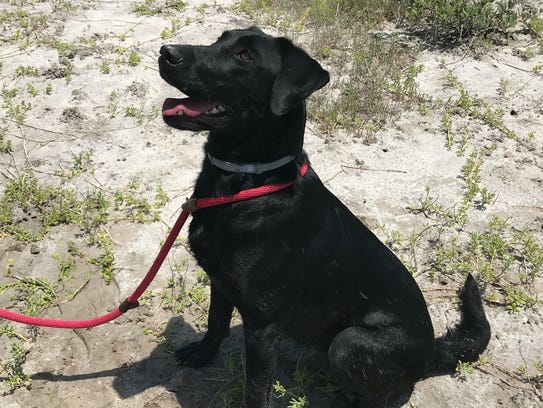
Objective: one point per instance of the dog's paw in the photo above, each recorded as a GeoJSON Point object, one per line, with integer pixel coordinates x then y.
{"type": "Point", "coordinates": [195, 355]}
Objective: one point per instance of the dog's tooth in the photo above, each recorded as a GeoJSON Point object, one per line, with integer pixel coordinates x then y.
{"type": "Point", "coordinates": [213, 111]}
{"type": "Point", "coordinates": [221, 108]}
{"type": "Point", "coordinates": [180, 112]}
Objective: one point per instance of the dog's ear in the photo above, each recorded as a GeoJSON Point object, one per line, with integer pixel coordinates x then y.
{"type": "Point", "coordinates": [299, 76]}
{"type": "Point", "coordinates": [256, 30]}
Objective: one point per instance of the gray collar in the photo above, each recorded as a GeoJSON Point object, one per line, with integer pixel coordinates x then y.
{"type": "Point", "coordinates": [249, 168]}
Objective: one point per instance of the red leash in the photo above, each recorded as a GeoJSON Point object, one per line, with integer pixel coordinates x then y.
{"type": "Point", "coordinates": [131, 301]}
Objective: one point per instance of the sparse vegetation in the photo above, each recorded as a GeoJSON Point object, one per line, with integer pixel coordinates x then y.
{"type": "Point", "coordinates": [154, 7]}
{"type": "Point", "coordinates": [445, 21]}
{"type": "Point", "coordinates": [372, 50]}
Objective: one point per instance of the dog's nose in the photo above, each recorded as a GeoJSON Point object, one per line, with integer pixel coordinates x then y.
{"type": "Point", "coordinates": [171, 53]}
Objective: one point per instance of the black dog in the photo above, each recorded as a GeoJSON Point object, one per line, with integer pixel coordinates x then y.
{"type": "Point", "coordinates": [296, 262]}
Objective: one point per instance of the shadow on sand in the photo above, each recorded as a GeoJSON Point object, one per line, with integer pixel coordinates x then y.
{"type": "Point", "coordinates": [219, 384]}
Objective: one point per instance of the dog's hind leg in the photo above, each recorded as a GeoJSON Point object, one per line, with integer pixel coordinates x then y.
{"type": "Point", "coordinates": [200, 353]}
{"type": "Point", "coordinates": [376, 363]}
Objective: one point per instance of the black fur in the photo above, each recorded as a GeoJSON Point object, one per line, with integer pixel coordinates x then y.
{"type": "Point", "coordinates": [298, 262]}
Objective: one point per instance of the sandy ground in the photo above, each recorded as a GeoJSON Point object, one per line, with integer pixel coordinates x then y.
{"type": "Point", "coordinates": [122, 364]}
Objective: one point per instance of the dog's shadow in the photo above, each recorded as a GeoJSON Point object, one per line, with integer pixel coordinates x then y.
{"type": "Point", "coordinates": [299, 371]}
{"type": "Point", "coordinates": [188, 387]}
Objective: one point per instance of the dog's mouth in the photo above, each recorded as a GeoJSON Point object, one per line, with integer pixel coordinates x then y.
{"type": "Point", "coordinates": [194, 114]}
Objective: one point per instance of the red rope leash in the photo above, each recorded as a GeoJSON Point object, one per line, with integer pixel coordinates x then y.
{"type": "Point", "coordinates": [131, 301]}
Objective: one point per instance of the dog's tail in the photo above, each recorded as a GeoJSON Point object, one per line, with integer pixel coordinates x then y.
{"type": "Point", "coordinates": [468, 339]}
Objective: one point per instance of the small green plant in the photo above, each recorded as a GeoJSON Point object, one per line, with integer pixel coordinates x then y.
{"type": "Point", "coordinates": [105, 68]}
{"type": "Point", "coordinates": [533, 21]}
{"type": "Point", "coordinates": [67, 268]}
{"type": "Point", "coordinates": [15, 110]}
{"type": "Point", "coordinates": [105, 261]}
{"type": "Point", "coordinates": [26, 71]}
{"type": "Point", "coordinates": [82, 161]}
{"type": "Point", "coordinates": [37, 294]}
{"type": "Point", "coordinates": [232, 393]}
{"type": "Point", "coordinates": [13, 368]}
{"type": "Point", "coordinates": [197, 294]}
{"type": "Point", "coordinates": [169, 32]}
{"type": "Point", "coordinates": [113, 105]}
{"type": "Point", "coordinates": [178, 5]}
{"type": "Point", "coordinates": [446, 123]}
{"type": "Point", "coordinates": [161, 198]}
{"type": "Point", "coordinates": [134, 58]}
{"type": "Point", "coordinates": [62, 5]}
{"type": "Point", "coordinates": [522, 370]}
{"type": "Point", "coordinates": [136, 207]}
{"type": "Point", "coordinates": [5, 144]}
{"type": "Point", "coordinates": [147, 8]}
{"type": "Point", "coordinates": [65, 48]}
{"type": "Point", "coordinates": [139, 113]}
{"type": "Point", "coordinates": [477, 108]}
{"type": "Point", "coordinates": [50, 205]}
{"type": "Point", "coordinates": [464, 368]}
{"type": "Point", "coordinates": [295, 395]}
{"type": "Point", "coordinates": [517, 300]}
{"type": "Point", "coordinates": [504, 87]}
{"type": "Point", "coordinates": [31, 89]}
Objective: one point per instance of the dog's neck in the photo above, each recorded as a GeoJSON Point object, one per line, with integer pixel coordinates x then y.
{"type": "Point", "coordinates": [258, 148]}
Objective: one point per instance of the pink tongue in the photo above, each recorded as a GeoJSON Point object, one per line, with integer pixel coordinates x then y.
{"type": "Point", "coordinates": [190, 107]}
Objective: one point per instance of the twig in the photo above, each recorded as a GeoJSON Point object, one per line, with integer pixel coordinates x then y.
{"type": "Point", "coordinates": [344, 166]}
{"type": "Point", "coordinates": [76, 292]}
{"type": "Point", "coordinates": [44, 130]}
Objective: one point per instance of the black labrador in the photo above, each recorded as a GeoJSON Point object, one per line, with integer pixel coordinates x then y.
{"type": "Point", "coordinates": [296, 262]}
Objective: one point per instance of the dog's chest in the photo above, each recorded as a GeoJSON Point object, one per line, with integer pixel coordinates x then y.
{"type": "Point", "coordinates": [215, 242]}
{"type": "Point", "coordinates": [202, 241]}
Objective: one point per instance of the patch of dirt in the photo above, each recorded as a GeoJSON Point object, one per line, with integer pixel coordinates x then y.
{"type": "Point", "coordinates": [71, 115]}
{"type": "Point", "coordinates": [128, 363]}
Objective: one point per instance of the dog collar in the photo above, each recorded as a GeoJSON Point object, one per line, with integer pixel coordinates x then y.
{"type": "Point", "coordinates": [249, 168]}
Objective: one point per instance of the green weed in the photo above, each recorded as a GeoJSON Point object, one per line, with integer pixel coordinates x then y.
{"type": "Point", "coordinates": [15, 110]}
{"type": "Point", "coordinates": [26, 71]}
{"type": "Point", "coordinates": [134, 58]}
{"type": "Point", "coordinates": [232, 394]}
{"type": "Point", "coordinates": [105, 68]}
{"type": "Point", "coordinates": [533, 21]}
{"type": "Point", "coordinates": [13, 368]}
{"type": "Point", "coordinates": [106, 260]}
{"type": "Point", "coordinates": [154, 7]}
{"type": "Point", "coordinates": [161, 198]}
{"type": "Point", "coordinates": [113, 105]}
{"type": "Point", "coordinates": [517, 299]}
{"type": "Point", "coordinates": [5, 144]}
{"type": "Point", "coordinates": [62, 5]}
{"type": "Point", "coordinates": [477, 108]}
{"type": "Point", "coordinates": [169, 32]}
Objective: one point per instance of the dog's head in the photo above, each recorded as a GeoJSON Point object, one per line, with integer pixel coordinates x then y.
{"type": "Point", "coordinates": [244, 76]}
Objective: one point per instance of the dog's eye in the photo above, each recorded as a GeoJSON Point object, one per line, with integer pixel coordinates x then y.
{"type": "Point", "coordinates": [244, 56]}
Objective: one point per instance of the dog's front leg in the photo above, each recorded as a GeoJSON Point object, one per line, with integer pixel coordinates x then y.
{"type": "Point", "coordinates": [261, 353]}
{"type": "Point", "coordinates": [200, 353]}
